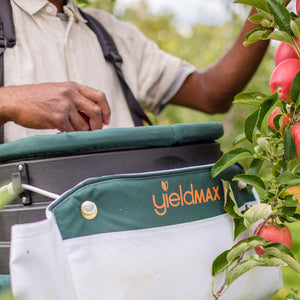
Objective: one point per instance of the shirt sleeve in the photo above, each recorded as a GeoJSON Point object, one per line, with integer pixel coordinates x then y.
{"type": "Point", "coordinates": [184, 71]}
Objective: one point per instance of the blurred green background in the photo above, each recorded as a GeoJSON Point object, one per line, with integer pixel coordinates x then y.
{"type": "Point", "coordinates": [201, 45]}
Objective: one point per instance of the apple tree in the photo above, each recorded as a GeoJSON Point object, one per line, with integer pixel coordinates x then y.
{"type": "Point", "coordinates": [269, 150]}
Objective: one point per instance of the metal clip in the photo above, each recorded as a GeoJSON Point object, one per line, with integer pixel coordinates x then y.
{"type": "Point", "coordinates": [17, 179]}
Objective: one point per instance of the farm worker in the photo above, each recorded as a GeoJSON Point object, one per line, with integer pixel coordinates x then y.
{"type": "Point", "coordinates": [57, 71]}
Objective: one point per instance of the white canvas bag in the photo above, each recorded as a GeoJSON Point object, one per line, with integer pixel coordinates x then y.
{"type": "Point", "coordinates": [150, 236]}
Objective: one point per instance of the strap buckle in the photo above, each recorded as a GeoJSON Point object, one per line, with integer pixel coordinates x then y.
{"type": "Point", "coordinates": [114, 58]}
{"type": "Point", "coordinates": [3, 44]}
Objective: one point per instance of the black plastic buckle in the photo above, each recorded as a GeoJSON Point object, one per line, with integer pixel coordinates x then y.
{"type": "Point", "coordinates": [114, 58]}
{"type": "Point", "coordinates": [3, 44]}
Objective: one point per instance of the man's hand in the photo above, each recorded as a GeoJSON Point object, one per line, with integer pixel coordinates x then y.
{"type": "Point", "coordinates": [54, 106]}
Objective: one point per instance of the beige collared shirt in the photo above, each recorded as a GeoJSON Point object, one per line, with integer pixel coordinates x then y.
{"type": "Point", "coordinates": [48, 51]}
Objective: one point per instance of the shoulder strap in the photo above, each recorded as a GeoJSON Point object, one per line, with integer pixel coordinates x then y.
{"type": "Point", "coordinates": [7, 32]}
{"type": "Point", "coordinates": [7, 39]}
{"type": "Point", "coordinates": [111, 55]}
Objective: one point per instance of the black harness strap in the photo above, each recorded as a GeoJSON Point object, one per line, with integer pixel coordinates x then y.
{"type": "Point", "coordinates": [7, 39]}
{"type": "Point", "coordinates": [7, 32]}
{"type": "Point", "coordinates": [111, 55]}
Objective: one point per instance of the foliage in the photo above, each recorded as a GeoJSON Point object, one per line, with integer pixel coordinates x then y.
{"type": "Point", "coordinates": [107, 5]}
{"type": "Point", "coordinates": [267, 149]}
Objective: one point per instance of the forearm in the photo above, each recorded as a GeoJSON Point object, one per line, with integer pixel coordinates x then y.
{"type": "Point", "coordinates": [230, 74]}
{"type": "Point", "coordinates": [213, 89]}
{"type": "Point", "coordinates": [5, 104]}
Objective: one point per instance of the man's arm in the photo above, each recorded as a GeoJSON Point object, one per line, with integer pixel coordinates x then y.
{"type": "Point", "coordinates": [213, 90]}
{"type": "Point", "coordinates": [54, 106]}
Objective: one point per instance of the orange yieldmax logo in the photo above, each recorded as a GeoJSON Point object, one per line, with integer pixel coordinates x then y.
{"type": "Point", "coordinates": [182, 197]}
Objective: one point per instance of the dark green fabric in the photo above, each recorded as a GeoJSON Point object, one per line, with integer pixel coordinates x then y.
{"type": "Point", "coordinates": [148, 200]}
{"type": "Point", "coordinates": [4, 282]}
{"type": "Point", "coordinates": [79, 142]}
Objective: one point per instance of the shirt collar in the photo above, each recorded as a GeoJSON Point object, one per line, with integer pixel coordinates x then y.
{"type": "Point", "coordinates": [33, 6]}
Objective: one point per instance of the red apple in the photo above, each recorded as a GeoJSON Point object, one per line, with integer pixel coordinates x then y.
{"type": "Point", "coordinates": [275, 234]}
{"type": "Point", "coordinates": [275, 112]}
{"type": "Point", "coordinates": [285, 51]}
{"type": "Point", "coordinates": [282, 78]}
{"type": "Point", "coordinates": [295, 130]}
{"type": "Point", "coordinates": [298, 7]}
{"type": "Point", "coordinates": [295, 191]}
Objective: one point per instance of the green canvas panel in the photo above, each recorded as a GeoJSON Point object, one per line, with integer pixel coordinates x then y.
{"type": "Point", "coordinates": [80, 142]}
{"type": "Point", "coordinates": [4, 282]}
{"type": "Point", "coordinates": [148, 200]}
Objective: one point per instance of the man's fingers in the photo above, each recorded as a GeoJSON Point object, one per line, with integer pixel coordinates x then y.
{"type": "Point", "coordinates": [96, 118]}
{"type": "Point", "coordinates": [79, 121]}
{"type": "Point", "coordinates": [101, 109]}
{"type": "Point", "coordinates": [85, 118]}
{"type": "Point", "coordinates": [66, 127]}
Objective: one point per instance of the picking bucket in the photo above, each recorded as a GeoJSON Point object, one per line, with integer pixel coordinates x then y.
{"type": "Point", "coordinates": [136, 216]}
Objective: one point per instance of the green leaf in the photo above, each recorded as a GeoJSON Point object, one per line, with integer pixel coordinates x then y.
{"type": "Point", "coordinates": [280, 36]}
{"type": "Point", "coordinates": [283, 164]}
{"type": "Point", "coordinates": [287, 258]}
{"type": "Point", "coordinates": [295, 27]}
{"type": "Point", "coordinates": [255, 166]}
{"type": "Point", "coordinates": [250, 125]}
{"type": "Point", "coordinates": [251, 262]}
{"type": "Point", "coordinates": [282, 248]}
{"type": "Point", "coordinates": [289, 145]}
{"type": "Point", "coordinates": [295, 88]}
{"type": "Point", "coordinates": [289, 201]}
{"type": "Point", "coordinates": [230, 204]}
{"type": "Point", "coordinates": [256, 35]}
{"type": "Point", "coordinates": [228, 159]}
{"type": "Point", "coordinates": [297, 216]}
{"type": "Point", "coordinates": [256, 213]}
{"type": "Point", "coordinates": [266, 108]}
{"type": "Point", "coordinates": [288, 212]}
{"type": "Point", "coordinates": [266, 14]}
{"type": "Point", "coordinates": [247, 102]}
{"type": "Point", "coordinates": [295, 166]}
{"type": "Point", "coordinates": [257, 18]}
{"type": "Point", "coordinates": [298, 101]}
{"type": "Point", "coordinates": [275, 172]}
{"type": "Point", "coordinates": [262, 18]}
{"type": "Point", "coordinates": [243, 246]}
{"type": "Point", "coordinates": [220, 263]}
{"type": "Point", "coordinates": [261, 4]}
{"type": "Point", "coordinates": [239, 139]}
{"type": "Point", "coordinates": [288, 178]}
{"type": "Point", "coordinates": [291, 297]}
{"type": "Point", "coordinates": [238, 227]}
{"type": "Point", "coordinates": [277, 121]}
{"type": "Point", "coordinates": [281, 16]}
{"type": "Point", "coordinates": [249, 98]}
{"type": "Point", "coordinates": [250, 179]}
